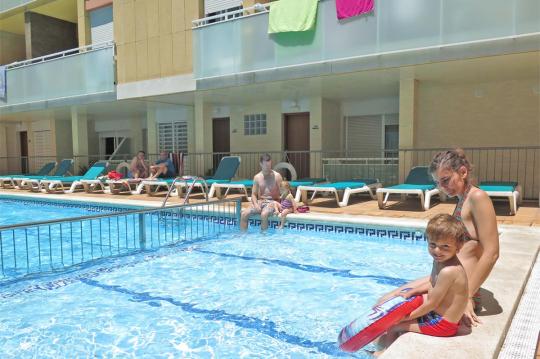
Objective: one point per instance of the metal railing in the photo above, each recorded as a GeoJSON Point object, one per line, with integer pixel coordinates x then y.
{"type": "Point", "coordinates": [49, 246]}
{"type": "Point", "coordinates": [230, 15]}
{"type": "Point", "coordinates": [56, 55]}
{"type": "Point", "coordinates": [520, 164]}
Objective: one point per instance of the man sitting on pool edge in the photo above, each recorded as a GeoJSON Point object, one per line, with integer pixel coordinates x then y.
{"type": "Point", "coordinates": [265, 192]}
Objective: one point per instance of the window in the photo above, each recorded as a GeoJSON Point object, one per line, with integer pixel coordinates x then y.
{"type": "Point", "coordinates": [173, 136]}
{"type": "Point", "coordinates": [255, 124]}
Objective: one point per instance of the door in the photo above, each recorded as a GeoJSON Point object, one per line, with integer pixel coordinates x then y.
{"type": "Point", "coordinates": [23, 138]}
{"type": "Point", "coordinates": [297, 142]}
{"type": "Point", "coordinates": [221, 140]}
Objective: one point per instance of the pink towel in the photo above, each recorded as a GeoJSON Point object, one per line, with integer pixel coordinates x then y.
{"type": "Point", "coordinates": [350, 8]}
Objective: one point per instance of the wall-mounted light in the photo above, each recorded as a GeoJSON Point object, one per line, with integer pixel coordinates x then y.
{"type": "Point", "coordinates": [315, 127]}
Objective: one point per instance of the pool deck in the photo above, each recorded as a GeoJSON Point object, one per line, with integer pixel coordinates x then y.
{"type": "Point", "coordinates": [519, 247]}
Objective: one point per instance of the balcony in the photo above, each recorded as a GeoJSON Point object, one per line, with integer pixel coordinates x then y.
{"type": "Point", "coordinates": [430, 30]}
{"type": "Point", "coordinates": [6, 5]}
{"type": "Point", "coordinates": [71, 76]}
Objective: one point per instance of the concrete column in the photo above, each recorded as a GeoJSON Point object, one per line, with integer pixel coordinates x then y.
{"type": "Point", "coordinates": [79, 134]}
{"type": "Point", "coordinates": [408, 89]}
{"type": "Point", "coordinates": [83, 24]}
{"type": "Point", "coordinates": [151, 130]}
{"type": "Point", "coordinates": [203, 135]}
{"type": "Point", "coordinates": [3, 150]}
{"type": "Point", "coordinates": [136, 135]}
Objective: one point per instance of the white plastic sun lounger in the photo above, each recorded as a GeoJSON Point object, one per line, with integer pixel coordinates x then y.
{"type": "Point", "coordinates": [418, 182]}
{"type": "Point", "coordinates": [349, 188]}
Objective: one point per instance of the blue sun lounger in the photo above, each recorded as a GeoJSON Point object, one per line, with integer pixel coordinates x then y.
{"type": "Point", "coordinates": [227, 168]}
{"type": "Point", "coordinates": [224, 173]}
{"type": "Point", "coordinates": [354, 186]}
{"type": "Point", "coordinates": [418, 182]}
{"type": "Point", "coordinates": [504, 189]}
{"type": "Point", "coordinates": [32, 182]}
{"type": "Point", "coordinates": [55, 184]}
{"type": "Point", "coordinates": [10, 181]}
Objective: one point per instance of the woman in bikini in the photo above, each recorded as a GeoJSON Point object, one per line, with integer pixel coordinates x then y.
{"type": "Point", "coordinates": [452, 172]}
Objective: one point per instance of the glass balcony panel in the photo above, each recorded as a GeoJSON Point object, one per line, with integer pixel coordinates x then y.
{"type": "Point", "coordinates": [10, 4]}
{"type": "Point", "coordinates": [408, 24]}
{"type": "Point", "coordinates": [77, 75]}
{"type": "Point", "coordinates": [466, 20]}
{"type": "Point", "coordinates": [243, 44]}
{"type": "Point", "coordinates": [349, 37]}
{"type": "Point", "coordinates": [219, 44]}
{"type": "Point", "coordinates": [293, 48]}
{"type": "Point", "coordinates": [527, 16]}
{"type": "Point", "coordinates": [256, 44]}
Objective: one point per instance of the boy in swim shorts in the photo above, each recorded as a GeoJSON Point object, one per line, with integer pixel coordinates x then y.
{"type": "Point", "coordinates": [445, 293]}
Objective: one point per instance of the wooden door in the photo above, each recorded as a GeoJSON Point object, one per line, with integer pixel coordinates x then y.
{"type": "Point", "coordinates": [221, 140]}
{"type": "Point", "coordinates": [297, 139]}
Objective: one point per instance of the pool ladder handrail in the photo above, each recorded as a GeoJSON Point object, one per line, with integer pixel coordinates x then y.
{"type": "Point", "coordinates": [189, 189]}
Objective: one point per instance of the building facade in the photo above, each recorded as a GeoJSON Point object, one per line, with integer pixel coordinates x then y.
{"type": "Point", "coordinates": [100, 78]}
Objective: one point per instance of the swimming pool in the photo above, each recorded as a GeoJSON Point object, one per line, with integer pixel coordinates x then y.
{"type": "Point", "coordinates": [17, 210]}
{"type": "Point", "coordinates": [281, 294]}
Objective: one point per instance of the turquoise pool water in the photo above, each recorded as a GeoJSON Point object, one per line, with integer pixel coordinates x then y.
{"type": "Point", "coordinates": [278, 295]}
{"type": "Point", "coordinates": [16, 211]}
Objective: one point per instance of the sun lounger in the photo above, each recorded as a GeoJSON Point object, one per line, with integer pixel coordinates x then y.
{"type": "Point", "coordinates": [125, 185]}
{"type": "Point", "coordinates": [246, 185]}
{"type": "Point", "coordinates": [10, 181]}
{"type": "Point", "coordinates": [348, 188]}
{"type": "Point", "coordinates": [227, 168]}
{"type": "Point", "coordinates": [56, 184]}
{"type": "Point", "coordinates": [498, 189]}
{"type": "Point", "coordinates": [418, 182]}
{"type": "Point", "coordinates": [33, 182]}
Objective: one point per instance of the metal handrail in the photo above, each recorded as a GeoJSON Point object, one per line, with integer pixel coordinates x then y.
{"type": "Point", "coordinates": [60, 54]}
{"type": "Point", "coordinates": [261, 8]}
{"type": "Point", "coordinates": [189, 189]}
{"type": "Point", "coordinates": [98, 216]}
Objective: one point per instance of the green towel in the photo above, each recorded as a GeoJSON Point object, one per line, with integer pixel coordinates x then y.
{"type": "Point", "coordinates": [292, 15]}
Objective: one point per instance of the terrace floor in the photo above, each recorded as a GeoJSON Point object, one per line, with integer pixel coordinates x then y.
{"type": "Point", "coordinates": [528, 214]}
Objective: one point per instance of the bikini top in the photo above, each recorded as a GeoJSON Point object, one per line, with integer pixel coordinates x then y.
{"type": "Point", "coordinates": [457, 211]}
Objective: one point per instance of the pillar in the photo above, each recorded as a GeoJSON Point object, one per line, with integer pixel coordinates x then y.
{"type": "Point", "coordinates": [79, 134]}
{"type": "Point", "coordinates": [408, 90]}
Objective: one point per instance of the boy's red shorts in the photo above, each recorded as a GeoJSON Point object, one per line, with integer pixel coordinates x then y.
{"type": "Point", "coordinates": [435, 325]}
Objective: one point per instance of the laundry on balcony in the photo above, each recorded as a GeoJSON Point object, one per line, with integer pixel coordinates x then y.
{"type": "Point", "coordinates": [350, 8]}
{"type": "Point", "coordinates": [292, 16]}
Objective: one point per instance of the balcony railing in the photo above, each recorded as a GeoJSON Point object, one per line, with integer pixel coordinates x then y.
{"type": "Point", "coordinates": [242, 44]}
{"type": "Point", "coordinates": [83, 71]}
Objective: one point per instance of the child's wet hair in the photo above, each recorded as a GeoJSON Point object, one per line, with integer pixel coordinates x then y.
{"type": "Point", "coordinates": [445, 226]}
{"type": "Point", "coordinates": [452, 159]}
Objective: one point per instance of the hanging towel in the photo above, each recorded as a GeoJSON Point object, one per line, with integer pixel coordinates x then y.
{"type": "Point", "coordinates": [292, 15]}
{"type": "Point", "coordinates": [350, 8]}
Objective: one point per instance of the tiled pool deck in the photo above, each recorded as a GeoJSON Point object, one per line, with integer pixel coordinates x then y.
{"type": "Point", "coordinates": [519, 246]}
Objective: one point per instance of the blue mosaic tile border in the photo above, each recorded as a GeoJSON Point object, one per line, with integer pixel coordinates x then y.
{"type": "Point", "coordinates": [362, 230]}
{"type": "Point", "coordinates": [64, 204]}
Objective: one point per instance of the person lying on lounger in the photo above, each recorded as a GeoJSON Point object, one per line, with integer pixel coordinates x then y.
{"type": "Point", "coordinates": [164, 167]}
{"type": "Point", "coordinates": [139, 168]}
